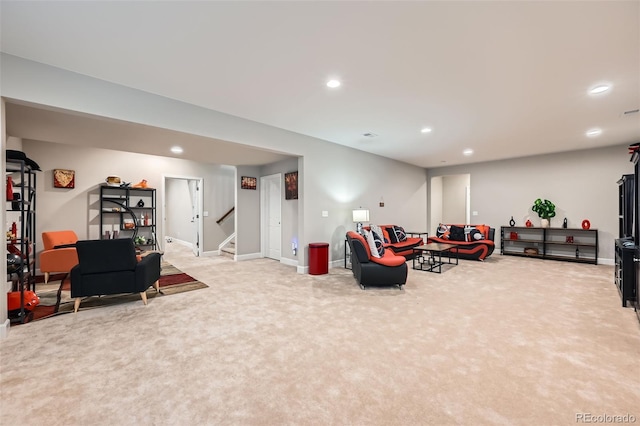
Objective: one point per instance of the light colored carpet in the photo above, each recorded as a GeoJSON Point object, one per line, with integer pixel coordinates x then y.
{"type": "Point", "coordinates": [509, 341]}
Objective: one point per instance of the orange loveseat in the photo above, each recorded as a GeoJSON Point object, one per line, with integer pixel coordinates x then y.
{"type": "Point", "coordinates": [473, 242]}
{"type": "Point", "coordinates": [394, 240]}
{"type": "Point", "coordinates": [59, 254]}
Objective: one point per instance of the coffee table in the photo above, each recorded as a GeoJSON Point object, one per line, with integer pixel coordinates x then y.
{"type": "Point", "coordinates": [428, 257]}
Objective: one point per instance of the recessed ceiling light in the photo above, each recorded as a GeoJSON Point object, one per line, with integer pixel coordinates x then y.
{"type": "Point", "coordinates": [592, 133]}
{"type": "Point", "coordinates": [600, 88]}
{"type": "Point", "coordinates": [333, 83]}
{"type": "Point", "coordinates": [426, 130]}
{"type": "Point", "coordinates": [176, 150]}
{"type": "Point", "coordinates": [467, 151]}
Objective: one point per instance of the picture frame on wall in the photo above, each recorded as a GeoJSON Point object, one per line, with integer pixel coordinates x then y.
{"type": "Point", "coordinates": [248, 182]}
{"type": "Point", "coordinates": [63, 178]}
{"type": "Point", "coordinates": [291, 186]}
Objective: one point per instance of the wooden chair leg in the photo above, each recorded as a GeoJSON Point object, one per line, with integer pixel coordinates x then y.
{"type": "Point", "coordinates": [143, 294]}
{"type": "Point", "coordinates": [46, 277]}
{"type": "Point", "coordinates": [157, 286]}
{"type": "Point", "coordinates": [76, 304]}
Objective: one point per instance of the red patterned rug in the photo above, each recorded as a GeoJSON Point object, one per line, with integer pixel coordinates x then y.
{"type": "Point", "coordinates": [172, 281]}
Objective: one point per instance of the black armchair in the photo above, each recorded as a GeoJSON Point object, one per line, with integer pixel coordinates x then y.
{"type": "Point", "coordinates": [390, 269]}
{"type": "Point", "coordinates": [111, 267]}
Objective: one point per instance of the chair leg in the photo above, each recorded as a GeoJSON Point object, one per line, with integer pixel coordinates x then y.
{"type": "Point", "coordinates": [46, 277]}
{"type": "Point", "coordinates": [143, 294]}
{"type": "Point", "coordinates": [76, 304]}
{"type": "Point", "coordinates": [156, 285]}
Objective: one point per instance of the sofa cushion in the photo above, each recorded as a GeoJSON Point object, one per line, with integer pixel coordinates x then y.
{"type": "Point", "coordinates": [396, 234]}
{"type": "Point", "coordinates": [389, 259]}
{"type": "Point", "coordinates": [456, 233]}
{"type": "Point", "coordinates": [443, 231]}
{"type": "Point", "coordinates": [474, 232]}
{"type": "Point", "coordinates": [379, 243]}
{"type": "Point", "coordinates": [372, 243]}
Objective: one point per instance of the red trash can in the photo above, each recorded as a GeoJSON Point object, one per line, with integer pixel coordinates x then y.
{"type": "Point", "coordinates": [318, 258]}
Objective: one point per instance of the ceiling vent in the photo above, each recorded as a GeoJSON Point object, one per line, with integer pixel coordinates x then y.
{"type": "Point", "coordinates": [369, 135]}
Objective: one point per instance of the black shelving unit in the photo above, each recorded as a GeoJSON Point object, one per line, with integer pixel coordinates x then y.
{"type": "Point", "coordinates": [626, 190]}
{"type": "Point", "coordinates": [567, 244]}
{"type": "Point", "coordinates": [22, 211]}
{"type": "Point", "coordinates": [129, 213]}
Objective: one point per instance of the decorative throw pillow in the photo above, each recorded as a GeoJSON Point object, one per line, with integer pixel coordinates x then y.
{"type": "Point", "coordinates": [443, 231]}
{"type": "Point", "coordinates": [377, 230]}
{"type": "Point", "coordinates": [474, 233]}
{"type": "Point", "coordinates": [392, 235]}
{"type": "Point", "coordinates": [379, 243]}
{"type": "Point", "coordinates": [399, 233]}
{"type": "Point", "coordinates": [372, 243]}
{"type": "Point", "coordinates": [456, 233]}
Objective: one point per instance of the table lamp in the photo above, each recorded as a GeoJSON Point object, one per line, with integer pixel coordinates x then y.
{"type": "Point", "coordinates": [360, 215]}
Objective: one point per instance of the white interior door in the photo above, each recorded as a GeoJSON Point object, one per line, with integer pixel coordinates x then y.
{"type": "Point", "coordinates": [271, 187]}
{"type": "Point", "coordinates": [194, 193]}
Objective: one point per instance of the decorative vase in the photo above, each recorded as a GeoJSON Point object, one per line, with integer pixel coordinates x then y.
{"type": "Point", "coordinates": [141, 203]}
{"type": "Point", "coordinates": [512, 222]}
{"type": "Point", "coordinates": [586, 224]}
{"type": "Point", "coordinates": [9, 188]}
{"type": "Point", "coordinates": [544, 223]}
{"type": "Point", "coordinates": [564, 223]}
{"type": "Point", "coordinates": [528, 223]}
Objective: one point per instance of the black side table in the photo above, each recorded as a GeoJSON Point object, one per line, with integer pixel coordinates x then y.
{"type": "Point", "coordinates": [347, 255]}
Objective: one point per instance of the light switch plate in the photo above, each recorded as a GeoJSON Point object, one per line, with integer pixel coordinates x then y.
{"type": "Point", "coordinates": [325, 213]}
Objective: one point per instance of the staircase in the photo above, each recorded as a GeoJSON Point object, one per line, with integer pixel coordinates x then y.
{"type": "Point", "coordinates": [229, 250]}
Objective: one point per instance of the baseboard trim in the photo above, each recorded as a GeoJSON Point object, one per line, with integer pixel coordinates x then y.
{"type": "Point", "coordinates": [182, 242]}
{"type": "Point", "coordinates": [288, 262]}
{"type": "Point", "coordinates": [303, 269]}
{"type": "Point", "coordinates": [606, 261]}
{"type": "Point", "coordinates": [250, 256]}
{"type": "Point", "coordinates": [211, 253]}
{"type": "Point", "coordinates": [4, 329]}
{"type": "Point", "coordinates": [336, 263]}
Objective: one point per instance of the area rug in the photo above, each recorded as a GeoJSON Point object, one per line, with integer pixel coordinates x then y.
{"type": "Point", "coordinates": [172, 281]}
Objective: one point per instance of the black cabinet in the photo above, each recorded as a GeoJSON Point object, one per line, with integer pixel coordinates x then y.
{"type": "Point", "coordinates": [626, 193]}
{"type": "Point", "coordinates": [625, 272]}
{"type": "Point", "coordinates": [129, 213]}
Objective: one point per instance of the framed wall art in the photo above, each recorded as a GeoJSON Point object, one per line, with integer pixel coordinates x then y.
{"type": "Point", "coordinates": [248, 182]}
{"type": "Point", "coordinates": [291, 186]}
{"type": "Point", "coordinates": [64, 178]}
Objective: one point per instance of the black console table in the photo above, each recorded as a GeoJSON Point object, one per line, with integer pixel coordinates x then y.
{"type": "Point", "coordinates": [625, 272]}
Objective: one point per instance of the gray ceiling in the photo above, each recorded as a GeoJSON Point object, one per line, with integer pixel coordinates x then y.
{"type": "Point", "coordinates": [506, 79]}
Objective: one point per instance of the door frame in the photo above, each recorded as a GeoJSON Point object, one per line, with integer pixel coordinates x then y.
{"type": "Point", "coordinates": [264, 220]}
{"type": "Point", "coordinates": [200, 245]}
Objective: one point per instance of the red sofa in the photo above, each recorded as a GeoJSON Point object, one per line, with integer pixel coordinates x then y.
{"type": "Point", "coordinates": [402, 248]}
{"type": "Point", "coordinates": [477, 240]}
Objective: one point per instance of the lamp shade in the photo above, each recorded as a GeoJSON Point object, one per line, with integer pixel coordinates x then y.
{"type": "Point", "coordinates": [360, 215]}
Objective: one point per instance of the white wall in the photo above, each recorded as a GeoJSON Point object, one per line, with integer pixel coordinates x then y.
{"type": "Point", "coordinates": [77, 209]}
{"type": "Point", "coordinates": [289, 212]}
{"type": "Point", "coordinates": [454, 198]}
{"type": "Point", "coordinates": [582, 185]}
{"type": "Point", "coordinates": [331, 177]}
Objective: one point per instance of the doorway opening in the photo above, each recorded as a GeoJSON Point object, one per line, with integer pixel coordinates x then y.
{"type": "Point", "coordinates": [183, 211]}
{"type": "Point", "coordinates": [450, 200]}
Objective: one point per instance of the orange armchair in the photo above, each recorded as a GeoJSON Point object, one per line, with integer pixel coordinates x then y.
{"type": "Point", "coordinates": [59, 254]}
